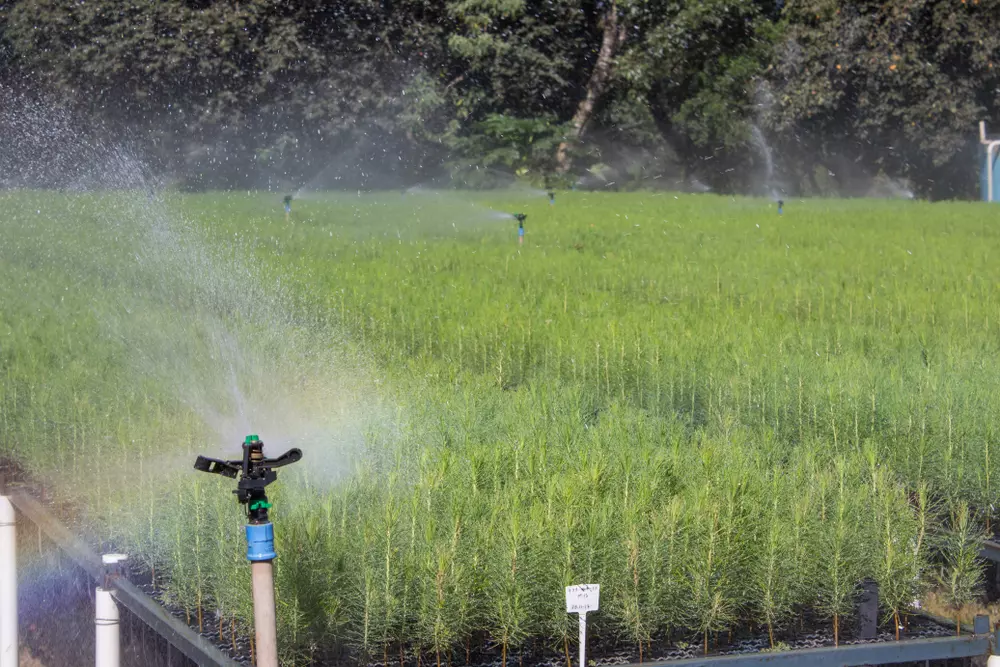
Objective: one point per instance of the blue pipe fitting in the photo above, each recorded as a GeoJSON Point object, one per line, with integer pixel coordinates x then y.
{"type": "Point", "coordinates": [260, 542]}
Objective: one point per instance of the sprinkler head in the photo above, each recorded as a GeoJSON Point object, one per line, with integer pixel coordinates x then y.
{"type": "Point", "coordinates": [780, 206]}
{"type": "Point", "coordinates": [520, 217]}
{"type": "Point", "coordinates": [255, 472]}
{"type": "Point", "coordinates": [287, 199]}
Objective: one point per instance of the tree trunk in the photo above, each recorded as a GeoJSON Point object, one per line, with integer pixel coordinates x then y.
{"type": "Point", "coordinates": [614, 35]}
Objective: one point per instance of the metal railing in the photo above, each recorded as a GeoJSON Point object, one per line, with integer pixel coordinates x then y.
{"type": "Point", "coordinates": [884, 653]}
{"type": "Point", "coordinates": [142, 606]}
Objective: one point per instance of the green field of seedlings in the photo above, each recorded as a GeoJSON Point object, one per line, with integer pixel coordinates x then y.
{"type": "Point", "coordinates": [725, 417]}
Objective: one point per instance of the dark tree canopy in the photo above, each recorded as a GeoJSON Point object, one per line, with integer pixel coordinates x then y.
{"type": "Point", "coordinates": [249, 93]}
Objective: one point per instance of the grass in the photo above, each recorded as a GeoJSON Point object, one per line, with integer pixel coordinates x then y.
{"type": "Point", "coordinates": [725, 417]}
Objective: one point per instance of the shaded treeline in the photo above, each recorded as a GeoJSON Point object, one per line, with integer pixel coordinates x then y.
{"type": "Point", "coordinates": [620, 93]}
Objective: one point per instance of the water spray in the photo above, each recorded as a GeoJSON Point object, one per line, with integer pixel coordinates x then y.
{"type": "Point", "coordinates": [255, 472]}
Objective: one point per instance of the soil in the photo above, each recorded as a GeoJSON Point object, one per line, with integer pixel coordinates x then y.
{"type": "Point", "coordinates": [25, 659]}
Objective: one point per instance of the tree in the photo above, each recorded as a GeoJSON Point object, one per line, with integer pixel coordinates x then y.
{"type": "Point", "coordinates": [691, 71]}
{"type": "Point", "coordinates": [217, 86]}
{"type": "Point", "coordinates": [892, 86]}
{"type": "Point", "coordinates": [612, 36]}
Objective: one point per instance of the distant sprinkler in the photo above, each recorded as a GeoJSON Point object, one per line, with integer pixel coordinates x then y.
{"type": "Point", "coordinates": [288, 207]}
{"type": "Point", "coordinates": [552, 198]}
{"type": "Point", "coordinates": [780, 206]}
{"type": "Point", "coordinates": [520, 217]}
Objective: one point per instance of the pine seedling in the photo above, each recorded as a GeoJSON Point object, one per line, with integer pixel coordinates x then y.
{"type": "Point", "coordinates": [672, 529]}
{"type": "Point", "coordinates": [960, 577]}
{"type": "Point", "coordinates": [775, 579]}
{"type": "Point", "coordinates": [558, 558]}
{"type": "Point", "coordinates": [630, 594]}
{"type": "Point", "coordinates": [713, 607]}
{"type": "Point", "coordinates": [899, 560]}
{"type": "Point", "coordinates": [841, 559]}
{"type": "Point", "coordinates": [367, 609]}
{"type": "Point", "coordinates": [510, 598]}
{"type": "Point", "coordinates": [390, 564]}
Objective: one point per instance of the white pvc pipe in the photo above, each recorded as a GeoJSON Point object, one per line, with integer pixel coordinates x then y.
{"type": "Point", "coordinates": [106, 624]}
{"type": "Point", "coordinates": [990, 148]}
{"type": "Point", "coordinates": [8, 585]}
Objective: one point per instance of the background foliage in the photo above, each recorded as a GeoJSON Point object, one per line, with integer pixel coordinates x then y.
{"type": "Point", "coordinates": [386, 92]}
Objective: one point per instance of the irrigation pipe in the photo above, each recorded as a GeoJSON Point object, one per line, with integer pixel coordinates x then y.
{"type": "Point", "coordinates": [143, 607]}
{"type": "Point", "coordinates": [991, 146]}
{"type": "Point", "coordinates": [8, 585]}
{"type": "Point", "coordinates": [107, 625]}
{"type": "Point", "coordinates": [910, 650]}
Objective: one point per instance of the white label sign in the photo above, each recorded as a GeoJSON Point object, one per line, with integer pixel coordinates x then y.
{"type": "Point", "coordinates": [583, 598]}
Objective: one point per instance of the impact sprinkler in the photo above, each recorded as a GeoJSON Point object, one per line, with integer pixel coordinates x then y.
{"type": "Point", "coordinates": [288, 207]}
{"type": "Point", "coordinates": [255, 472]}
{"type": "Point", "coordinates": [520, 217]}
{"type": "Point", "coordinates": [781, 204]}
{"type": "Point", "coordinates": [552, 198]}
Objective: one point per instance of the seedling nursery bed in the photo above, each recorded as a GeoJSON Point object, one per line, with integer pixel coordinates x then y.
{"type": "Point", "coordinates": [66, 603]}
